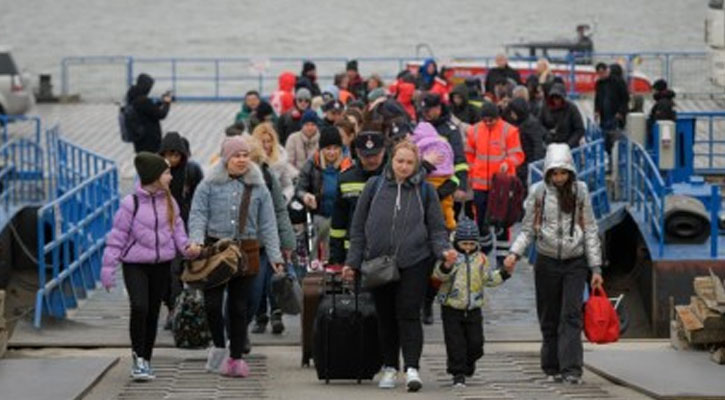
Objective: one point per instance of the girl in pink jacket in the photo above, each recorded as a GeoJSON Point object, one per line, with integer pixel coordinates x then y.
{"type": "Point", "coordinates": [147, 233]}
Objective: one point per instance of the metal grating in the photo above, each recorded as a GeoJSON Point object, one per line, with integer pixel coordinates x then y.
{"type": "Point", "coordinates": [512, 376]}
{"type": "Point", "coordinates": [186, 379]}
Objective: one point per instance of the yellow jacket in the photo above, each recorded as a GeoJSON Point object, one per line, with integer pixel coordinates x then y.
{"type": "Point", "coordinates": [462, 285]}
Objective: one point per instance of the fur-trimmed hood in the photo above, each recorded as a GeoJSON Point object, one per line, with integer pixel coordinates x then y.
{"type": "Point", "coordinates": [253, 176]}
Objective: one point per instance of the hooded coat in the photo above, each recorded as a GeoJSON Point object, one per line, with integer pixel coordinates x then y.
{"type": "Point", "coordinates": [149, 112]}
{"type": "Point", "coordinates": [560, 235]}
{"type": "Point", "coordinates": [394, 215]}
{"type": "Point", "coordinates": [429, 141]}
{"type": "Point", "coordinates": [425, 80]}
{"type": "Point", "coordinates": [215, 210]}
{"type": "Point", "coordinates": [565, 124]}
{"type": "Point", "coordinates": [466, 112]}
{"type": "Point", "coordinates": [531, 134]}
{"type": "Point", "coordinates": [405, 98]}
{"type": "Point", "coordinates": [284, 98]}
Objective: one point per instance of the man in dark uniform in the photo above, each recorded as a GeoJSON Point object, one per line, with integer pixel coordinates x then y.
{"type": "Point", "coordinates": [370, 149]}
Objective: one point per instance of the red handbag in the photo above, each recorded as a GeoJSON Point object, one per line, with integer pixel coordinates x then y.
{"type": "Point", "coordinates": [601, 323]}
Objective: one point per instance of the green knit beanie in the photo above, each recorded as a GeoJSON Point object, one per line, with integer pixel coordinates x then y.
{"type": "Point", "coordinates": [149, 166]}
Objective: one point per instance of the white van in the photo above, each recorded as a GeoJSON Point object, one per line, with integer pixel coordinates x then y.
{"type": "Point", "coordinates": [16, 96]}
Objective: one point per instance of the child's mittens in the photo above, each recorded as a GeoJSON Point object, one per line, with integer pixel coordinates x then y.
{"type": "Point", "coordinates": [108, 277]}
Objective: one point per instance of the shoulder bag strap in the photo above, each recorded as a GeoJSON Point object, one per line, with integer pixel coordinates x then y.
{"type": "Point", "coordinates": [244, 208]}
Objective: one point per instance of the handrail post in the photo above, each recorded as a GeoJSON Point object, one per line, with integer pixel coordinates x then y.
{"type": "Point", "coordinates": [216, 78]}
{"type": "Point", "coordinates": [173, 75]}
{"type": "Point", "coordinates": [64, 77]}
{"type": "Point", "coordinates": [714, 220]}
{"type": "Point", "coordinates": [129, 72]}
{"type": "Point", "coordinates": [572, 74]}
{"type": "Point", "coordinates": [711, 146]}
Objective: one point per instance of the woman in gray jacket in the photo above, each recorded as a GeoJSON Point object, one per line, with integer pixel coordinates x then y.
{"type": "Point", "coordinates": [215, 215]}
{"type": "Point", "coordinates": [399, 214]}
{"type": "Point", "coordinates": [560, 220]}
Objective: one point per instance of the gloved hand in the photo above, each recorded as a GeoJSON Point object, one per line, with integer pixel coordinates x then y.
{"type": "Point", "coordinates": [108, 277]}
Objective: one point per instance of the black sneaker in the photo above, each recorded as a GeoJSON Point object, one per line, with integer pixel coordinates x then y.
{"type": "Point", "coordinates": [276, 322]}
{"type": "Point", "coordinates": [459, 381]}
{"type": "Point", "coordinates": [260, 323]}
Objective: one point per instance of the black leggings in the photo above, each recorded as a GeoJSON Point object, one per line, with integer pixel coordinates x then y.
{"type": "Point", "coordinates": [398, 307]}
{"type": "Point", "coordinates": [146, 285]}
{"type": "Point", "coordinates": [237, 293]}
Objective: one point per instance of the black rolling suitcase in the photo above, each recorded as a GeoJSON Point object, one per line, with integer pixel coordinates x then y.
{"type": "Point", "coordinates": [346, 333]}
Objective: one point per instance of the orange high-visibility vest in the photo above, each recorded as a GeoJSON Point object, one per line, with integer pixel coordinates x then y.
{"type": "Point", "coordinates": [486, 149]}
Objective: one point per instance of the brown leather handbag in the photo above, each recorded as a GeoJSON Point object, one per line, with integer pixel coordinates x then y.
{"type": "Point", "coordinates": [225, 258]}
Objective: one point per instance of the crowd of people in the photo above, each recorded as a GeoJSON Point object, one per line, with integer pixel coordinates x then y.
{"type": "Point", "coordinates": [403, 170]}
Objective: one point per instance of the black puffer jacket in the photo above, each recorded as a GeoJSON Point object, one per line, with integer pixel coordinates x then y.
{"type": "Point", "coordinates": [531, 134]}
{"type": "Point", "coordinates": [149, 112]}
{"type": "Point", "coordinates": [565, 124]}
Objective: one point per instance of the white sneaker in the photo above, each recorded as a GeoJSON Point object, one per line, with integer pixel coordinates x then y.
{"type": "Point", "coordinates": [389, 378]}
{"type": "Point", "coordinates": [214, 359]}
{"type": "Point", "coordinates": [412, 380]}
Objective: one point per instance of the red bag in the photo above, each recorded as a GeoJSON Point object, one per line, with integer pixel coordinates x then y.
{"type": "Point", "coordinates": [601, 323]}
{"type": "Point", "coordinates": [505, 200]}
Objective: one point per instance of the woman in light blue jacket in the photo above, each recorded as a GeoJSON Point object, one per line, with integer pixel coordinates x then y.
{"type": "Point", "coordinates": [215, 215]}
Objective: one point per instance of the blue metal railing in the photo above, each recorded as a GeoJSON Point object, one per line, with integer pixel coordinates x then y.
{"type": "Point", "coordinates": [709, 147]}
{"type": "Point", "coordinates": [642, 187]}
{"type": "Point", "coordinates": [227, 78]}
{"type": "Point", "coordinates": [6, 120]}
{"type": "Point", "coordinates": [73, 226]}
{"type": "Point", "coordinates": [21, 176]}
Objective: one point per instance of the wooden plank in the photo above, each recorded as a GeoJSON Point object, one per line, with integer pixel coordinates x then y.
{"type": "Point", "coordinates": [705, 336]}
{"type": "Point", "coordinates": [718, 288]}
{"type": "Point", "coordinates": [688, 320]}
{"type": "Point", "coordinates": [710, 319]}
{"type": "Point", "coordinates": [718, 356]}
{"type": "Point", "coordinates": [705, 290]}
{"type": "Point", "coordinates": [677, 336]}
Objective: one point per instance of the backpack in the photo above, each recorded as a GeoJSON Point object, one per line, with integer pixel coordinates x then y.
{"type": "Point", "coordinates": [129, 122]}
{"type": "Point", "coordinates": [601, 323]}
{"type": "Point", "coordinates": [188, 320]}
{"type": "Point", "coordinates": [505, 200]}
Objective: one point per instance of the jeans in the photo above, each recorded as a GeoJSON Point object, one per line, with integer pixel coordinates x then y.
{"type": "Point", "coordinates": [559, 288]}
{"type": "Point", "coordinates": [146, 285]}
{"type": "Point", "coordinates": [261, 289]}
{"type": "Point", "coordinates": [398, 307]}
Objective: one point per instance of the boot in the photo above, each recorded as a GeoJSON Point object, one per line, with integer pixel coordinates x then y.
{"type": "Point", "coordinates": [276, 322]}
{"type": "Point", "coordinates": [428, 312]}
{"type": "Point", "coordinates": [260, 323]}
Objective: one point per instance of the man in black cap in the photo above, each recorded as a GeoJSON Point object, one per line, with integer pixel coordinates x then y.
{"type": "Point", "coordinates": [437, 114]}
{"type": "Point", "coordinates": [333, 110]}
{"type": "Point", "coordinates": [370, 149]}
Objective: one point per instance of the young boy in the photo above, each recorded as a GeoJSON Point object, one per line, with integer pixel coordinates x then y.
{"type": "Point", "coordinates": [461, 297]}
